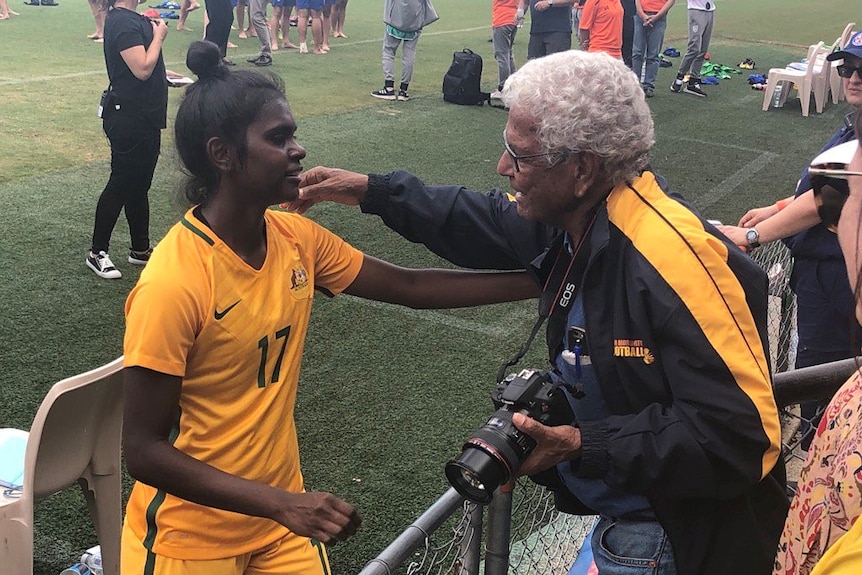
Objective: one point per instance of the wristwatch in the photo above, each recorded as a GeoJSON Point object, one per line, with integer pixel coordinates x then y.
{"type": "Point", "coordinates": [752, 236]}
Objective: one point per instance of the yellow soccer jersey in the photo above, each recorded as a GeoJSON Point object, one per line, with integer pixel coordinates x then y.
{"type": "Point", "coordinates": [235, 335]}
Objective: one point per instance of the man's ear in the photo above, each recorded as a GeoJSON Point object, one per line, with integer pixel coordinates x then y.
{"type": "Point", "coordinates": [221, 154]}
{"type": "Point", "coordinates": [588, 168]}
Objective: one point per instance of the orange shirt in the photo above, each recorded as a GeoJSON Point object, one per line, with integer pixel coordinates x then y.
{"type": "Point", "coordinates": [503, 12]}
{"type": "Point", "coordinates": [652, 6]}
{"type": "Point", "coordinates": [604, 20]}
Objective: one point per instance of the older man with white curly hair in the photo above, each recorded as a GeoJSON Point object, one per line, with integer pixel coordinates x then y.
{"type": "Point", "coordinates": [656, 322]}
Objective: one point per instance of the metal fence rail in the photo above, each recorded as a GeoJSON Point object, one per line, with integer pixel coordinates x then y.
{"type": "Point", "coordinates": [523, 534]}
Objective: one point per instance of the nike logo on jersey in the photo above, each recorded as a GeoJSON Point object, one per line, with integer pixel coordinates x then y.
{"type": "Point", "coordinates": [220, 314]}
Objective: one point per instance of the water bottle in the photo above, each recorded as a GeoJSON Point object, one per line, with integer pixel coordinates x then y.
{"type": "Point", "coordinates": [92, 559]}
{"type": "Point", "coordinates": [776, 96]}
{"type": "Point", "coordinates": [76, 569]}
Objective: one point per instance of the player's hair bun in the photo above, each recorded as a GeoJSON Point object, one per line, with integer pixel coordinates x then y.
{"type": "Point", "coordinates": [204, 59]}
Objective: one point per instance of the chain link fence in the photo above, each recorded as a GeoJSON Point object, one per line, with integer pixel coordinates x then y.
{"type": "Point", "coordinates": [522, 532]}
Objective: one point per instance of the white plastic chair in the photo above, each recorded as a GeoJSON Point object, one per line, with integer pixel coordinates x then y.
{"type": "Point", "coordinates": [75, 438]}
{"type": "Point", "coordinates": [836, 88]}
{"type": "Point", "coordinates": [804, 80]}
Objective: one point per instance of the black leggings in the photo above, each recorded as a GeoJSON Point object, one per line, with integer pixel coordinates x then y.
{"type": "Point", "coordinates": [134, 153]}
{"type": "Point", "coordinates": [220, 14]}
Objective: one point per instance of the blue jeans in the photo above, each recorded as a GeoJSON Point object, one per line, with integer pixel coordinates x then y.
{"type": "Point", "coordinates": [646, 47]}
{"type": "Point", "coordinates": [623, 547]}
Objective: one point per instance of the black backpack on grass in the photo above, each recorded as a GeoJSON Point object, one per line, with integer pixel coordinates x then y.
{"type": "Point", "coordinates": [462, 82]}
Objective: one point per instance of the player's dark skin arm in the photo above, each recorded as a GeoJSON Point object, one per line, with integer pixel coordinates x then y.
{"type": "Point", "coordinates": [438, 288]}
{"type": "Point", "coordinates": [150, 407]}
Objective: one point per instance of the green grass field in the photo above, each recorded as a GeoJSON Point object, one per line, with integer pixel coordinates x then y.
{"type": "Point", "coordinates": [387, 394]}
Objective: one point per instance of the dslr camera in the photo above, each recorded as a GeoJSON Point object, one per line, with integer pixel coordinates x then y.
{"type": "Point", "coordinates": [495, 452]}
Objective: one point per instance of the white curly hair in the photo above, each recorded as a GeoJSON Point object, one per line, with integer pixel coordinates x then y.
{"type": "Point", "coordinates": [586, 102]}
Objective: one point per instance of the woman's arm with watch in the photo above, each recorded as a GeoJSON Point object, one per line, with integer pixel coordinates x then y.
{"type": "Point", "coordinates": [795, 217]}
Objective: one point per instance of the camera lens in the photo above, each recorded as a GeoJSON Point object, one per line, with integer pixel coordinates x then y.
{"type": "Point", "coordinates": [476, 474]}
{"type": "Point", "coordinates": [489, 458]}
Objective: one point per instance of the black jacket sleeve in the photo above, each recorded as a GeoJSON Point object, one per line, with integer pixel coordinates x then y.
{"type": "Point", "coordinates": [468, 228]}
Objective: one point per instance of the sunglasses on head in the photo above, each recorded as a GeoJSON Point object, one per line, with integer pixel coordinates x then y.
{"type": "Point", "coordinates": [829, 173]}
{"type": "Point", "coordinates": [846, 70]}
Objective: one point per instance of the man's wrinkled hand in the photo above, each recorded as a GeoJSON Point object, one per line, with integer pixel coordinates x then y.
{"type": "Point", "coordinates": [553, 444]}
{"type": "Point", "coordinates": [328, 184]}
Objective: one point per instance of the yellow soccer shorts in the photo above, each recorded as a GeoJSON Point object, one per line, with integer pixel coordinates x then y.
{"type": "Point", "coordinates": [291, 555]}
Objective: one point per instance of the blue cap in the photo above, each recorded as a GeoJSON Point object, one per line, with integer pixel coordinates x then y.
{"type": "Point", "coordinates": [853, 48]}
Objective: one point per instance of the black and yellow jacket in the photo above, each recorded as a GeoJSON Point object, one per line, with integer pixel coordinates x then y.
{"type": "Point", "coordinates": [676, 317]}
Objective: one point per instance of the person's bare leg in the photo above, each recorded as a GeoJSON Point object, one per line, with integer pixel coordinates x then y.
{"type": "Point", "coordinates": [274, 25]}
{"type": "Point", "coordinates": [251, 31]}
{"type": "Point", "coordinates": [302, 29]}
{"type": "Point", "coordinates": [317, 31]}
{"type": "Point", "coordinates": [186, 7]}
{"type": "Point", "coordinates": [5, 11]}
{"type": "Point", "coordinates": [325, 24]}
{"type": "Point", "coordinates": [285, 28]}
{"type": "Point", "coordinates": [240, 18]}
{"type": "Point", "coordinates": [338, 15]}
{"type": "Point", "coordinates": [98, 16]}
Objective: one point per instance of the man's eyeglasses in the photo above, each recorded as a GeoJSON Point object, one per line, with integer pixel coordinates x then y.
{"type": "Point", "coordinates": [516, 158]}
{"type": "Point", "coordinates": [829, 176]}
{"type": "Point", "coordinates": [846, 70]}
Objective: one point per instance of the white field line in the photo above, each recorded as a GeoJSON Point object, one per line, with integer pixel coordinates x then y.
{"type": "Point", "coordinates": [731, 183]}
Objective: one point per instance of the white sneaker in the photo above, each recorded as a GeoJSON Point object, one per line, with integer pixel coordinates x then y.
{"type": "Point", "coordinates": [303, 48]}
{"type": "Point", "coordinates": [496, 95]}
{"type": "Point", "coordinates": [102, 265]}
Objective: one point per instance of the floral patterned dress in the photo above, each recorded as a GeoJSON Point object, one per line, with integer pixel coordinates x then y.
{"type": "Point", "coordinates": [830, 485]}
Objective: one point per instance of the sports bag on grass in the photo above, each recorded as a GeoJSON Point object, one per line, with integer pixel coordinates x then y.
{"type": "Point", "coordinates": [462, 82]}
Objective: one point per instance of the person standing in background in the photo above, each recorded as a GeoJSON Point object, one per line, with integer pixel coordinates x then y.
{"type": "Point", "coordinates": [601, 27]}
{"type": "Point", "coordinates": [577, 9]}
{"type": "Point", "coordinates": [629, 12]}
{"type": "Point", "coordinates": [220, 19]}
{"type": "Point", "coordinates": [185, 7]}
{"type": "Point", "coordinates": [304, 9]}
{"type": "Point", "coordinates": [505, 17]}
{"type": "Point", "coordinates": [98, 16]}
{"type": "Point", "coordinates": [261, 26]}
{"type": "Point", "coordinates": [134, 113]}
{"type": "Point", "coordinates": [701, 16]}
{"type": "Point", "coordinates": [650, 25]}
{"type": "Point", "coordinates": [404, 20]}
{"type": "Point", "coordinates": [326, 24]}
{"type": "Point", "coordinates": [550, 26]}
{"type": "Point", "coordinates": [339, 12]}
{"type": "Point", "coordinates": [241, 8]}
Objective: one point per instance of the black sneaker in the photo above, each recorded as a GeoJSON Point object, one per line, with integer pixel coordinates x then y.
{"type": "Point", "coordinates": [140, 258]}
{"type": "Point", "coordinates": [649, 92]}
{"type": "Point", "coordinates": [385, 93]}
{"type": "Point", "coordinates": [102, 265]}
{"type": "Point", "coordinates": [693, 87]}
{"type": "Point", "coordinates": [260, 61]}
{"type": "Point", "coordinates": [403, 95]}
{"type": "Point", "coordinates": [676, 86]}
{"type": "Point", "coordinates": [49, 3]}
